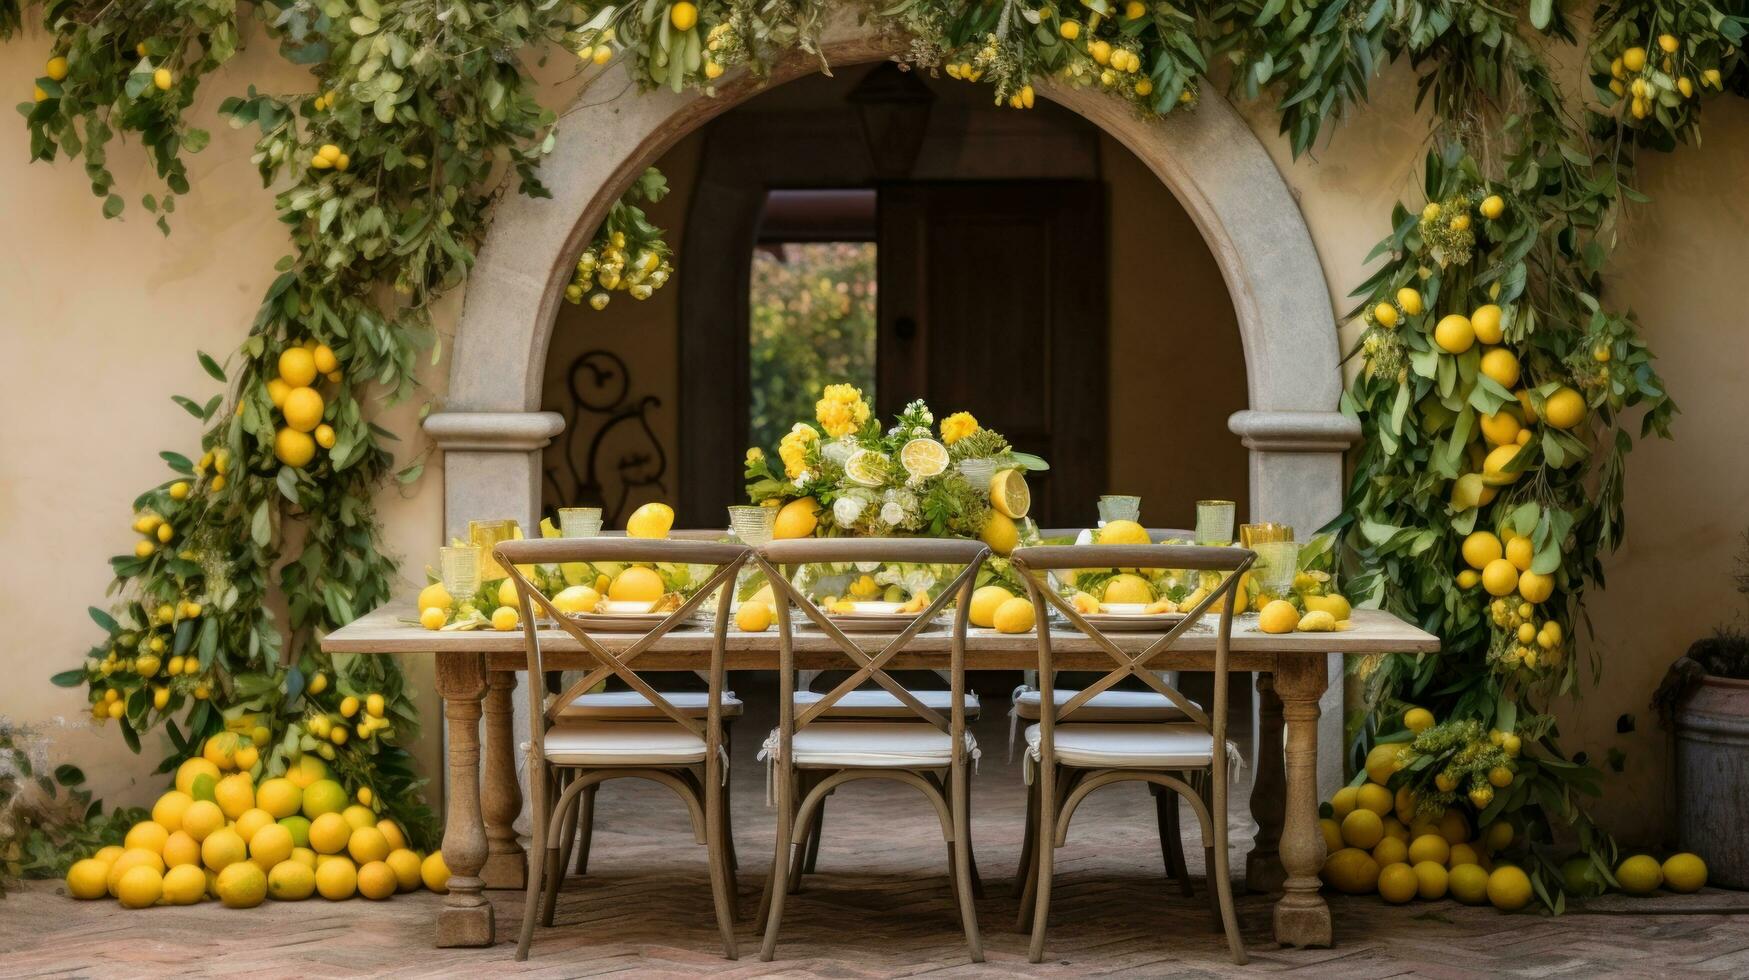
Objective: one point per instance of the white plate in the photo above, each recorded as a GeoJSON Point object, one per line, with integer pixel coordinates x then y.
{"type": "Point", "coordinates": [623, 622]}
{"type": "Point", "coordinates": [1136, 621]}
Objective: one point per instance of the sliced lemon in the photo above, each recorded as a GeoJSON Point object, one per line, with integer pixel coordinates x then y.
{"type": "Point", "coordinates": [924, 458]}
{"type": "Point", "coordinates": [1009, 495]}
{"type": "Point", "coordinates": [867, 467]}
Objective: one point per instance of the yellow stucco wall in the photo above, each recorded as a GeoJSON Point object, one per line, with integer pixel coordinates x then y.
{"type": "Point", "coordinates": [100, 320]}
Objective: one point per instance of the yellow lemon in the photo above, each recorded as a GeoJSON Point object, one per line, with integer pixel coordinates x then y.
{"type": "Point", "coordinates": [162, 79]}
{"type": "Point", "coordinates": [242, 885]}
{"type": "Point", "coordinates": [1394, 830]}
{"type": "Point", "coordinates": [1418, 720]}
{"type": "Point", "coordinates": [330, 833]}
{"type": "Point", "coordinates": [1633, 59]}
{"type": "Point", "coordinates": [1501, 365]}
{"type": "Point", "coordinates": [1390, 851]}
{"type": "Point", "coordinates": [1009, 494]}
{"type": "Point", "coordinates": [1429, 847]}
{"type": "Point", "coordinates": [1000, 533]}
{"type": "Point", "coordinates": [88, 879]}
{"type": "Point", "coordinates": [307, 769]}
{"type": "Point", "coordinates": [1535, 587]}
{"type": "Point", "coordinates": [1128, 588]}
{"type": "Point", "coordinates": [753, 617]}
{"type": "Point", "coordinates": [1398, 884]}
{"type": "Point", "coordinates": [184, 884]}
{"type": "Point", "coordinates": [391, 832]}
{"type": "Point", "coordinates": [129, 860]}
{"type": "Point", "coordinates": [636, 584]}
{"type": "Point", "coordinates": [1684, 873]}
{"type": "Point", "coordinates": [797, 519]}
{"type": "Point", "coordinates": [1485, 322]}
{"type": "Point", "coordinates": [336, 879]}
{"type": "Point", "coordinates": [1462, 854]}
{"type": "Point", "coordinates": [1410, 301]}
{"type": "Point", "coordinates": [1468, 883]}
{"type": "Point", "coordinates": [1332, 832]}
{"type": "Point", "coordinates": [358, 816]}
{"type": "Point", "coordinates": [1492, 206]}
{"type": "Point", "coordinates": [377, 881]}
{"type": "Point", "coordinates": [246, 757]}
{"type": "Point", "coordinates": [1430, 880]}
{"type": "Point", "coordinates": [504, 619]}
{"type": "Point", "coordinates": [1453, 827]}
{"type": "Point", "coordinates": [1480, 548]}
{"type": "Point", "coordinates": [168, 811]}
{"type": "Point", "coordinates": [139, 887]}
{"type": "Point", "coordinates": [302, 409]}
{"type": "Point", "coordinates": [1385, 315]}
{"type": "Point", "coordinates": [1383, 761]}
{"type": "Point", "coordinates": [180, 849]}
{"type": "Point", "coordinates": [1500, 577]}
{"type": "Point", "coordinates": [1084, 603]}
{"type": "Point", "coordinates": [323, 796]}
{"type": "Point", "coordinates": [1351, 871]}
{"type": "Point", "coordinates": [1640, 875]}
{"type": "Point", "coordinates": [1013, 616]}
{"type": "Point", "coordinates": [367, 844]}
{"type": "Point", "coordinates": [293, 448]}
{"type": "Point", "coordinates": [235, 795]}
{"type": "Point", "coordinates": [146, 834]}
{"type": "Point", "coordinates": [299, 828]}
{"type": "Point", "coordinates": [1468, 491]}
{"type": "Point", "coordinates": [291, 881]}
{"type": "Point", "coordinates": [223, 848]}
{"type": "Point", "coordinates": [435, 596]}
{"type": "Point", "coordinates": [1520, 552]}
{"type": "Point", "coordinates": [405, 865]}
{"type": "Point", "coordinates": [221, 750]}
{"type": "Point", "coordinates": [433, 618]}
{"type": "Point", "coordinates": [1317, 621]}
{"type": "Point", "coordinates": [1279, 616]}
{"type": "Point", "coordinates": [1564, 409]}
{"type": "Point", "coordinates": [1337, 606]}
{"type": "Point", "coordinates": [1494, 471]}
{"type": "Point", "coordinates": [277, 389]}
{"type": "Point", "coordinates": [435, 873]}
{"type": "Point", "coordinates": [197, 766]}
{"type": "Point", "coordinates": [271, 845]}
{"type": "Point", "coordinates": [577, 599]}
{"type": "Point", "coordinates": [683, 15]}
{"type": "Point", "coordinates": [297, 367]}
{"type": "Point", "coordinates": [1344, 801]}
{"type": "Point", "coordinates": [202, 818]}
{"type": "Point", "coordinates": [1122, 532]}
{"type": "Point", "coordinates": [1363, 829]}
{"type": "Point", "coordinates": [56, 68]}
{"type": "Point", "coordinates": [652, 520]}
{"type": "Point", "coordinates": [1454, 334]}
{"type": "Point", "coordinates": [981, 611]}
{"type": "Point", "coordinates": [1509, 888]}
{"type": "Point", "coordinates": [325, 436]}
{"type": "Point", "coordinates": [251, 822]}
{"type": "Point", "coordinates": [1501, 428]}
{"type": "Point", "coordinates": [280, 797]}
{"type": "Point", "coordinates": [1372, 796]}
{"type": "Point", "coordinates": [1405, 805]}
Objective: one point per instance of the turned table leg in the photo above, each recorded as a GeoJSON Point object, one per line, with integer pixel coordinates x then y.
{"type": "Point", "coordinates": [1263, 871]}
{"type": "Point", "coordinates": [1301, 916]}
{"type": "Point", "coordinates": [506, 864]}
{"type": "Point", "coordinates": [466, 916]}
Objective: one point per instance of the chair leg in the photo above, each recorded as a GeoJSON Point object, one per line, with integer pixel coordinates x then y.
{"type": "Point", "coordinates": [1171, 837]}
{"type": "Point", "coordinates": [586, 827]}
{"type": "Point", "coordinates": [961, 852]}
{"type": "Point", "coordinates": [540, 789]}
{"type": "Point", "coordinates": [555, 876]}
{"type": "Point", "coordinates": [568, 821]}
{"type": "Point", "coordinates": [816, 828]}
{"type": "Point", "coordinates": [972, 854]}
{"type": "Point", "coordinates": [1028, 837]}
{"type": "Point", "coordinates": [722, 880]}
{"type": "Point", "coordinates": [777, 882]}
{"type": "Point", "coordinates": [1223, 889]}
{"type": "Point", "coordinates": [1046, 848]}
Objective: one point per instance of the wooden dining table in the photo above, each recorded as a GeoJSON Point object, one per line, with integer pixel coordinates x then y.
{"type": "Point", "coordinates": [477, 676]}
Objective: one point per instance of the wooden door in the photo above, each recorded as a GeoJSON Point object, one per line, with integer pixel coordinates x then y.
{"type": "Point", "coordinates": [992, 300]}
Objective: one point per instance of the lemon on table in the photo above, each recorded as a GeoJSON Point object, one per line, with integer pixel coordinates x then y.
{"type": "Point", "coordinates": [1374, 797]}
{"type": "Point", "coordinates": [435, 596]}
{"type": "Point", "coordinates": [504, 619]}
{"type": "Point", "coordinates": [1429, 847]}
{"type": "Point", "coordinates": [291, 881]}
{"type": "Point", "coordinates": [405, 865]}
{"type": "Point", "coordinates": [1000, 533]}
{"type": "Point", "coordinates": [1684, 873]}
{"type": "Point", "coordinates": [1336, 605]}
{"type": "Point", "coordinates": [1015, 615]}
{"type": "Point", "coordinates": [180, 849]}
{"type": "Point", "coordinates": [753, 617]}
{"type": "Point", "coordinates": [866, 467]}
{"type": "Point", "coordinates": [1398, 883]}
{"type": "Point", "coordinates": [330, 833]}
{"type": "Point", "coordinates": [271, 845]}
{"type": "Point", "coordinates": [923, 458]}
{"type": "Point", "coordinates": [1128, 588]}
{"type": "Point", "coordinates": [140, 887]}
{"type": "Point", "coordinates": [235, 795]}
{"type": "Point", "coordinates": [184, 884]}
{"type": "Point", "coordinates": [1316, 621]}
{"type": "Point", "coordinates": [357, 815]}
{"type": "Point", "coordinates": [366, 845]}
{"type": "Point", "coordinates": [435, 873]}
{"type": "Point", "coordinates": [577, 599]}
{"type": "Point", "coordinates": [433, 618]}
{"type": "Point", "coordinates": [1279, 616]}
{"type": "Point", "coordinates": [1462, 854]}
{"type": "Point", "coordinates": [1332, 832]}
{"type": "Point", "coordinates": [279, 797]}
{"type": "Point", "coordinates": [1509, 888]}
{"type": "Point", "coordinates": [1468, 883]}
{"type": "Point", "coordinates": [336, 879]}
{"type": "Point", "coordinates": [652, 520]}
{"type": "Point", "coordinates": [981, 611]}
{"type": "Point", "coordinates": [223, 848]}
{"type": "Point", "coordinates": [797, 519]}
{"type": "Point", "coordinates": [251, 822]}
{"type": "Point", "coordinates": [1009, 493]}
{"type": "Point", "coordinates": [1640, 875]}
{"type": "Point", "coordinates": [242, 885]}
{"type": "Point", "coordinates": [1122, 532]}
{"type": "Point", "coordinates": [88, 879]}
{"type": "Point", "coordinates": [129, 860]}
{"type": "Point", "coordinates": [636, 584]}
{"type": "Point", "coordinates": [377, 881]}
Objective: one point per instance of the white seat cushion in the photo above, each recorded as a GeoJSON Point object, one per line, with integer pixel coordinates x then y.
{"type": "Point", "coordinates": [1104, 706]}
{"type": "Point", "coordinates": [1093, 746]}
{"type": "Point", "coordinates": [871, 745]}
{"type": "Point", "coordinates": [880, 703]}
{"type": "Point", "coordinates": [633, 704]}
{"type": "Point", "coordinates": [622, 743]}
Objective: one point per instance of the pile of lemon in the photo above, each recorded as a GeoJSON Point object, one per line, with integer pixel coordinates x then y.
{"type": "Point", "coordinates": [1503, 569]}
{"type": "Point", "coordinates": [219, 835]}
{"type": "Point", "coordinates": [300, 404]}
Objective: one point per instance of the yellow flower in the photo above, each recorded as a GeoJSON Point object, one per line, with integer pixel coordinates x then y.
{"type": "Point", "coordinates": [957, 426]}
{"type": "Point", "coordinates": [754, 455]}
{"type": "Point", "coordinates": [793, 448]}
{"type": "Point", "coordinates": [841, 410]}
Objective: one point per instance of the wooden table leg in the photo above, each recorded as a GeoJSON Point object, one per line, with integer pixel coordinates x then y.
{"type": "Point", "coordinates": [506, 864]}
{"type": "Point", "coordinates": [1301, 916]}
{"type": "Point", "coordinates": [1263, 871]}
{"type": "Point", "coordinates": [466, 916]}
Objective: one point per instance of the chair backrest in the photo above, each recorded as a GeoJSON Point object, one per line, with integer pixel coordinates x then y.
{"type": "Point", "coordinates": [727, 560]}
{"type": "Point", "coordinates": [1232, 562]}
{"type": "Point", "coordinates": [781, 558]}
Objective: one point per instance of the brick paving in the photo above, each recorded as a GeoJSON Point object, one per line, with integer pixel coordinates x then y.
{"type": "Point", "coordinates": [880, 906]}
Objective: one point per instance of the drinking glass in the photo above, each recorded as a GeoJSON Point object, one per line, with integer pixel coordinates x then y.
{"type": "Point", "coordinates": [460, 567]}
{"type": "Point", "coordinates": [753, 524]}
{"type": "Point", "coordinates": [1252, 535]}
{"type": "Point", "coordinates": [1119, 507]}
{"type": "Point", "coordinates": [1277, 562]}
{"type": "Point", "coordinates": [580, 522]}
{"type": "Point", "coordinates": [485, 535]}
{"type": "Point", "coordinates": [1214, 521]}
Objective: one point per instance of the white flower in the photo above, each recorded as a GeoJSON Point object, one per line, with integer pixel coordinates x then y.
{"type": "Point", "coordinates": [802, 479]}
{"type": "Point", "coordinates": [845, 510]}
{"type": "Point", "coordinates": [892, 513]}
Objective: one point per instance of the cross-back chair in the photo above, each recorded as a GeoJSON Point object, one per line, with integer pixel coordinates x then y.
{"type": "Point", "coordinates": [931, 752]}
{"type": "Point", "coordinates": [1073, 758]}
{"type": "Point", "coordinates": [568, 755]}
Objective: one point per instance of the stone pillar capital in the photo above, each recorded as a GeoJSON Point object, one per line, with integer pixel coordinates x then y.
{"type": "Point", "coordinates": [1295, 432]}
{"type": "Point", "coordinates": [493, 432]}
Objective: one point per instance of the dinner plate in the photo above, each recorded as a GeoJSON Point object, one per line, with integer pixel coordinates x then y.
{"type": "Point", "coordinates": [1122, 616]}
{"type": "Point", "coordinates": [622, 617]}
{"type": "Point", "coordinates": [871, 617]}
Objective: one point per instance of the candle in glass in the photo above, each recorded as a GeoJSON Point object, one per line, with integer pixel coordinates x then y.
{"type": "Point", "coordinates": [460, 567]}
{"type": "Point", "coordinates": [485, 535]}
{"type": "Point", "coordinates": [1119, 507]}
{"type": "Point", "coordinates": [579, 522]}
{"type": "Point", "coordinates": [1214, 521]}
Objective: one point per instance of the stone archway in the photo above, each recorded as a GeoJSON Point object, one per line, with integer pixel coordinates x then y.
{"type": "Point", "coordinates": [492, 431]}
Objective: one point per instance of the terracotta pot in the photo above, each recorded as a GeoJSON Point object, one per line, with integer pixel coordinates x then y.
{"type": "Point", "coordinates": [1712, 778]}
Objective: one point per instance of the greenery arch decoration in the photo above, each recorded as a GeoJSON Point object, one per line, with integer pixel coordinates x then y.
{"type": "Point", "coordinates": [420, 114]}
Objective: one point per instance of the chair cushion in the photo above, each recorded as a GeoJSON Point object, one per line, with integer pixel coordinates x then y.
{"type": "Point", "coordinates": [622, 743]}
{"type": "Point", "coordinates": [880, 703]}
{"type": "Point", "coordinates": [871, 745]}
{"type": "Point", "coordinates": [633, 705]}
{"type": "Point", "coordinates": [1094, 746]}
{"type": "Point", "coordinates": [1104, 706]}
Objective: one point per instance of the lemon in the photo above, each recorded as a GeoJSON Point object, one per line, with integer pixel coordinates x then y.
{"type": "Point", "coordinates": [139, 887]}
{"type": "Point", "coordinates": [1363, 829]}
{"type": "Point", "coordinates": [271, 845]}
{"type": "Point", "coordinates": [1128, 588]}
{"type": "Point", "coordinates": [323, 796]}
{"type": "Point", "coordinates": [1122, 532]}
{"type": "Point", "coordinates": [754, 616]}
{"type": "Point", "coordinates": [184, 884]}
{"type": "Point", "coordinates": [1372, 796]}
{"type": "Point", "coordinates": [797, 519]}
{"type": "Point", "coordinates": [336, 879]}
{"type": "Point", "coordinates": [981, 611]}
{"type": "Point", "coordinates": [330, 833]}
{"type": "Point", "coordinates": [1351, 871]}
{"type": "Point", "coordinates": [1501, 365]}
{"type": "Point", "coordinates": [242, 885]}
{"type": "Point", "coordinates": [197, 766]}
{"type": "Point", "coordinates": [1468, 883]}
{"type": "Point", "coordinates": [297, 367]}
{"type": "Point", "coordinates": [1633, 59]}
{"type": "Point", "coordinates": [88, 879]}
{"type": "Point", "coordinates": [220, 750]}
{"type": "Point", "coordinates": [652, 520]}
{"type": "Point", "coordinates": [377, 881]}
{"type": "Point", "coordinates": [162, 79]}
{"type": "Point", "coordinates": [1418, 720]}
{"type": "Point", "coordinates": [1536, 587]}
{"type": "Point", "coordinates": [1013, 616]}
{"type": "Point", "coordinates": [1317, 621]}
{"type": "Point", "coordinates": [1492, 206]}
{"type": "Point", "coordinates": [1579, 877]}
{"type": "Point", "coordinates": [56, 68]}
{"type": "Point", "coordinates": [1500, 577]}
{"type": "Point", "coordinates": [435, 596]}
{"type": "Point", "coordinates": [280, 797]}
{"type": "Point", "coordinates": [433, 618]}
{"type": "Point", "coordinates": [1390, 851]}
{"type": "Point", "coordinates": [1501, 428]}
{"type": "Point", "coordinates": [1394, 830]}
{"type": "Point", "coordinates": [1564, 409]}
{"type": "Point", "coordinates": [1405, 805]}
{"type": "Point", "coordinates": [367, 844]}
{"type": "Point", "coordinates": [1494, 471]}
{"type": "Point", "coordinates": [307, 769]}
{"type": "Point", "coordinates": [293, 448]}
{"type": "Point", "coordinates": [235, 795]}
{"type": "Point", "coordinates": [637, 584]}
{"type": "Point", "coordinates": [1000, 533]}
{"type": "Point", "coordinates": [1410, 300]}
{"type": "Point", "coordinates": [435, 873]}
{"type": "Point", "coordinates": [1383, 761]}
{"type": "Point", "coordinates": [1486, 324]}
{"type": "Point", "coordinates": [223, 848]}
{"type": "Point", "coordinates": [1640, 875]}
{"type": "Point", "coordinates": [504, 619]}
{"type": "Point", "coordinates": [683, 15]}
{"type": "Point", "coordinates": [168, 811]}
{"type": "Point", "coordinates": [1453, 827]}
{"type": "Point", "coordinates": [299, 827]}
{"type": "Point", "coordinates": [1070, 30]}
{"type": "Point", "coordinates": [1385, 315]}
{"type": "Point", "coordinates": [1431, 880]}
{"type": "Point", "coordinates": [1332, 832]}
{"type": "Point", "coordinates": [304, 856]}
{"type": "Point", "coordinates": [1462, 854]}
{"type": "Point", "coordinates": [202, 818]}
{"type": "Point", "coordinates": [1279, 616]}
{"type": "Point", "coordinates": [358, 816]}
{"type": "Point", "coordinates": [1009, 494]}
{"type": "Point", "coordinates": [1520, 552]}
{"type": "Point", "coordinates": [405, 865]}
{"type": "Point", "coordinates": [1509, 888]}
{"type": "Point", "coordinates": [302, 409]}
{"type": "Point", "coordinates": [1454, 334]}
{"type": "Point", "coordinates": [1684, 873]}
{"type": "Point", "coordinates": [146, 834]}
{"type": "Point", "coordinates": [180, 849]}
{"type": "Point", "coordinates": [129, 860]}
{"type": "Point", "coordinates": [251, 822]}
{"type": "Point", "coordinates": [391, 832]}
{"type": "Point", "coordinates": [577, 599]}
{"type": "Point", "coordinates": [1398, 883]}
{"type": "Point", "coordinates": [1344, 801]}
{"type": "Point", "coordinates": [924, 458]}
{"type": "Point", "coordinates": [1429, 847]}
{"type": "Point", "coordinates": [291, 881]}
